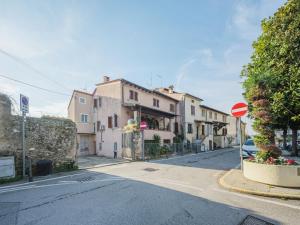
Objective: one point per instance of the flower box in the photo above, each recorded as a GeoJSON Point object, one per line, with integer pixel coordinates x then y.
{"type": "Point", "coordinates": [277, 175]}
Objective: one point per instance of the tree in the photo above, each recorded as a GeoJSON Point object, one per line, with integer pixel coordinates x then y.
{"type": "Point", "coordinates": [274, 72]}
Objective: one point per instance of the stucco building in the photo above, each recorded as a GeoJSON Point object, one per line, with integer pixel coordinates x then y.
{"type": "Point", "coordinates": [102, 115]}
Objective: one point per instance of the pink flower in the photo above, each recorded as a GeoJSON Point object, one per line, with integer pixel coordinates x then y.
{"type": "Point", "coordinates": [291, 162]}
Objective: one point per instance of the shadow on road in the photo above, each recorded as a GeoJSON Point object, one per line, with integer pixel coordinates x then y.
{"type": "Point", "coordinates": [101, 198]}
{"type": "Point", "coordinates": [223, 159]}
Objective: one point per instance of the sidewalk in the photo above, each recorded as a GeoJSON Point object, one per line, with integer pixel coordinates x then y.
{"type": "Point", "coordinates": [88, 162]}
{"type": "Point", "coordinates": [235, 181]}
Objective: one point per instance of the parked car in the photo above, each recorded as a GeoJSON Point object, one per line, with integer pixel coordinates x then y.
{"type": "Point", "coordinates": [249, 149]}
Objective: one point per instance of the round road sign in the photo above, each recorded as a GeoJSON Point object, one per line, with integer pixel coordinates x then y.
{"type": "Point", "coordinates": [239, 109]}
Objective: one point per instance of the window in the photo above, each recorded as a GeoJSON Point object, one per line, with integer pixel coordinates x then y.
{"type": "Point", "coordinates": [193, 110]}
{"type": "Point", "coordinates": [193, 101]}
{"type": "Point", "coordinates": [109, 123]}
{"type": "Point", "coordinates": [100, 146]}
{"type": "Point", "coordinates": [133, 95]}
{"type": "Point", "coordinates": [224, 131]}
{"type": "Point", "coordinates": [172, 108]}
{"type": "Point", "coordinates": [176, 127]}
{"type": "Point", "coordinates": [116, 120]}
{"type": "Point", "coordinates": [203, 113]}
{"type": "Point", "coordinates": [94, 127]}
{"type": "Point", "coordinates": [156, 102]}
{"type": "Point", "coordinates": [82, 100]}
{"type": "Point", "coordinates": [203, 129]}
{"type": "Point", "coordinates": [190, 128]}
{"type": "Point", "coordinates": [224, 118]}
{"type": "Point", "coordinates": [216, 116]}
{"type": "Point", "coordinates": [210, 115]}
{"type": "Point", "coordinates": [98, 125]}
{"type": "Point", "coordinates": [100, 101]}
{"type": "Point", "coordinates": [83, 118]}
{"type": "Point", "coordinates": [95, 103]}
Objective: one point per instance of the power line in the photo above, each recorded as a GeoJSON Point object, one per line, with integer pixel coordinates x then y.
{"type": "Point", "coordinates": [34, 86]}
{"type": "Point", "coordinates": [26, 64]}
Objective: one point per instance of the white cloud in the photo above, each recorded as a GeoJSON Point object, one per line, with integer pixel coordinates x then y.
{"type": "Point", "coordinates": [58, 109]}
{"type": "Point", "coordinates": [202, 56]}
{"type": "Point", "coordinates": [7, 87]}
{"type": "Point", "coordinates": [28, 41]}
{"type": "Point", "coordinates": [248, 15]}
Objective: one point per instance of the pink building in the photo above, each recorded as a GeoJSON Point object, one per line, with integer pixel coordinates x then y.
{"type": "Point", "coordinates": [102, 115]}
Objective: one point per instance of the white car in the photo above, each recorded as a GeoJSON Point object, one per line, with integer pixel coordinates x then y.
{"type": "Point", "coordinates": [249, 149]}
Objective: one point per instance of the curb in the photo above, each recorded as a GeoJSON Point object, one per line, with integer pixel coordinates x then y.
{"type": "Point", "coordinates": [105, 165]}
{"type": "Point", "coordinates": [259, 193]}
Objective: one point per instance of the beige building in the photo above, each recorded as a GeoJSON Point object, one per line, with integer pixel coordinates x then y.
{"type": "Point", "coordinates": [189, 112]}
{"type": "Point", "coordinates": [199, 124]}
{"type": "Point", "coordinates": [80, 111]}
{"type": "Point", "coordinates": [104, 114]}
{"type": "Point", "coordinates": [213, 124]}
{"type": "Point", "coordinates": [233, 131]}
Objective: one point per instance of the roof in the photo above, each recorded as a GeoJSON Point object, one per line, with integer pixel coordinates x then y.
{"type": "Point", "coordinates": [193, 96]}
{"type": "Point", "coordinates": [139, 87]}
{"type": "Point", "coordinates": [216, 110]}
{"type": "Point", "coordinates": [149, 110]}
{"type": "Point", "coordinates": [182, 93]}
{"type": "Point", "coordinates": [82, 92]}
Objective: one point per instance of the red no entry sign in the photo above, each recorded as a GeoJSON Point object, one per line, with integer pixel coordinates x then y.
{"type": "Point", "coordinates": [239, 109]}
{"type": "Point", "coordinates": [143, 125]}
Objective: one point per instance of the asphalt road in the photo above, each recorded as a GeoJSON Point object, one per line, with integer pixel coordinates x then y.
{"type": "Point", "coordinates": [181, 190]}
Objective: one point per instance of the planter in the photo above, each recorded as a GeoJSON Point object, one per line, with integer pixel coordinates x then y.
{"type": "Point", "coordinates": [277, 175]}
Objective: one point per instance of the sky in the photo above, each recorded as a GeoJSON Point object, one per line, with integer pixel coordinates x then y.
{"type": "Point", "coordinates": [197, 46]}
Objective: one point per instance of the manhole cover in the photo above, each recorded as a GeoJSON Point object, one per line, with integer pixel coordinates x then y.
{"type": "Point", "coordinates": [251, 220]}
{"type": "Point", "coordinates": [85, 179]}
{"type": "Point", "coordinates": [150, 169]}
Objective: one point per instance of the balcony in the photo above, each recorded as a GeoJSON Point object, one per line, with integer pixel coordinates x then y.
{"type": "Point", "coordinates": [163, 134]}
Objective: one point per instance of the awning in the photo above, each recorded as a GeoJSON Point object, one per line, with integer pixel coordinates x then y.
{"type": "Point", "coordinates": [219, 125]}
{"type": "Point", "coordinates": [148, 110]}
{"type": "Point", "coordinates": [203, 121]}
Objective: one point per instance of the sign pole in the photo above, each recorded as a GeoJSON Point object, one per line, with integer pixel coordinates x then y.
{"type": "Point", "coordinates": [143, 146]}
{"type": "Point", "coordinates": [24, 107]}
{"type": "Point", "coordinates": [238, 110]}
{"type": "Point", "coordinates": [23, 144]}
{"type": "Point", "coordinates": [241, 150]}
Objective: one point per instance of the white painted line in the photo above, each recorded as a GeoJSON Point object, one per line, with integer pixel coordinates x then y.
{"type": "Point", "coordinates": [43, 180]}
{"type": "Point", "coordinates": [68, 181]}
{"type": "Point", "coordinates": [52, 185]}
{"type": "Point", "coordinates": [259, 199]}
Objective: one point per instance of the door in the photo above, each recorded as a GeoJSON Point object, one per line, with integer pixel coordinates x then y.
{"type": "Point", "coordinates": [210, 144]}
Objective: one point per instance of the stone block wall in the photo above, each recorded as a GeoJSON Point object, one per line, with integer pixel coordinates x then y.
{"type": "Point", "coordinates": [46, 137]}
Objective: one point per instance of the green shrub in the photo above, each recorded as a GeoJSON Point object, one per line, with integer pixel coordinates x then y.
{"type": "Point", "coordinates": [9, 180]}
{"type": "Point", "coordinates": [67, 166]}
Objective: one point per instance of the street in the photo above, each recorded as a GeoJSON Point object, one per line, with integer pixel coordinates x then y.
{"type": "Point", "coordinates": [179, 190]}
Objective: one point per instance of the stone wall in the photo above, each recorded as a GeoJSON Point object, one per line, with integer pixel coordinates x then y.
{"type": "Point", "coordinates": [46, 137]}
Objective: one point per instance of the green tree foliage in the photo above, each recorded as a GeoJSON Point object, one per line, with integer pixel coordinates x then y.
{"type": "Point", "coordinates": [272, 78]}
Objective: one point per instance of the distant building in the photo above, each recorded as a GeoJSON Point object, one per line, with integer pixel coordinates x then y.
{"type": "Point", "coordinates": [199, 123]}
{"type": "Point", "coordinates": [233, 133]}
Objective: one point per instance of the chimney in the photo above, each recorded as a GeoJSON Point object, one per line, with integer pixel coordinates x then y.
{"type": "Point", "coordinates": [171, 89]}
{"type": "Point", "coordinates": [106, 79]}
